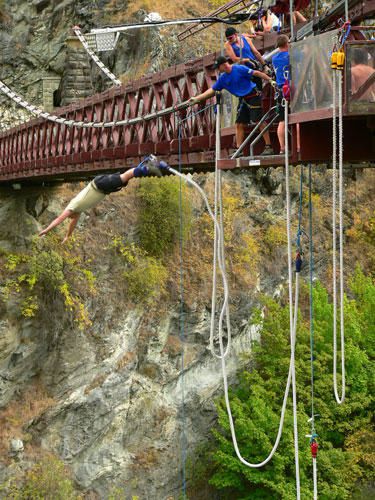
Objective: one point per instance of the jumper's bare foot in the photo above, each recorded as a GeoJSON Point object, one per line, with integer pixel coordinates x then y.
{"type": "Point", "coordinates": [42, 233]}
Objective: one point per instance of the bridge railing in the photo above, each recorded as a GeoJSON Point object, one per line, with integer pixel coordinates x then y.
{"type": "Point", "coordinates": [41, 147]}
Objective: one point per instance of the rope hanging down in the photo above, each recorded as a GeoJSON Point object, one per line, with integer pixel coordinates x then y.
{"type": "Point", "coordinates": [218, 239]}
{"type": "Point", "coordinates": [339, 399]}
{"type": "Point", "coordinates": [313, 436]}
{"type": "Point", "coordinates": [94, 57]}
{"type": "Point", "coordinates": [40, 113]}
{"type": "Point", "coordinates": [222, 353]}
{"type": "Point", "coordinates": [182, 328]}
{"type": "Point", "coordinates": [220, 259]}
{"type": "Point", "coordinates": [292, 323]}
{"type": "Point", "coordinates": [219, 245]}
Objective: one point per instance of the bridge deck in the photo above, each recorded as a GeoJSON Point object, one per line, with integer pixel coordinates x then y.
{"type": "Point", "coordinates": [43, 150]}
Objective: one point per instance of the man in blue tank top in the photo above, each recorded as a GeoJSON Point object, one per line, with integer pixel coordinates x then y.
{"type": "Point", "coordinates": [237, 80]}
{"type": "Point", "coordinates": [281, 64]}
{"type": "Point", "coordinates": [241, 49]}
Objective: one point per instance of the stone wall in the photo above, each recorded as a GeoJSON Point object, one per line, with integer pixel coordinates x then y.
{"type": "Point", "coordinates": [76, 80]}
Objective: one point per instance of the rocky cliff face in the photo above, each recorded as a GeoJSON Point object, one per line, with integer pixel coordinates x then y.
{"type": "Point", "coordinates": [122, 399]}
{"type": "Point", "coordinates": [33, 46]}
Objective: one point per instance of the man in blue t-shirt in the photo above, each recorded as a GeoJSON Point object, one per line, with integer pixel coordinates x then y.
{"type": "Point", "coordinates": [237, 79]}
{"type": "Point", "coordinates": [281, 65]}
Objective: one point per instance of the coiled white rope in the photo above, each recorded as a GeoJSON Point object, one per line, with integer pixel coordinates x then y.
{"type": "Point", "coordinates": [40, 113]}
{"type": "Point", "coordinates": [339, 399]}
{"type": "Point", "coordinates": [94, 57]}
{"type": "Point", "coordinates": [218, 232]}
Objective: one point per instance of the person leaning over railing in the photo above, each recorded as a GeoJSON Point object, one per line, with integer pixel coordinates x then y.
{"type": "Point", "coordinates": [237, 79]}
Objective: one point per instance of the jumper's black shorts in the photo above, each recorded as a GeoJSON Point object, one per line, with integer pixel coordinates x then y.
{"type": "Point", "coordinates": [108, 183]}
{"type": "Point", "coordinates": [249, 109]}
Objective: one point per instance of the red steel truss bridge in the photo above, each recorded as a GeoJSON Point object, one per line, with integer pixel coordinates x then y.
{"type": "Point", "coordinates": [44, 149]}
{"type": "Point", "coordinates": [41, 150]}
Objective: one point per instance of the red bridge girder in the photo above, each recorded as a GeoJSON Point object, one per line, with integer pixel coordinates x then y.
{"type": "Point", "coordinates": [41, 148]}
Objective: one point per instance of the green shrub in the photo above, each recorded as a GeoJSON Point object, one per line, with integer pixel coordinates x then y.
{"type": "Point", "coordinates": [146, 280]}
{"type": "Point", "coordinates": [145, 276]}
{"type": "Point", "coordinates": [159, 217]}
{"type": "Point", "coordinates": [47, 270]}
{"type": "Point", "coordinates": [47, 267]}
{"type": "Point", "coordinates": [47, 480]}
{"type": "Point", "coordinates": [275, 236]}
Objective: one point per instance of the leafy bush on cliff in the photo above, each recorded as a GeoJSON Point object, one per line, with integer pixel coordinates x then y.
{"type": "Point", "coordinates": [45, 273]}
{"type": "Point", "coordinates": [159, 216]}
{"type": "Point", "coordinates": [344, 457]}
{"type": "Point", "coordinates": [145, 276]}
{"type": "Point", "coordinates": [161, 204]}
{"type": "Point", "coordinates": [49, 479]}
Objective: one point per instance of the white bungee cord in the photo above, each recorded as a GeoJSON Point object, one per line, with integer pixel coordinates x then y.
{"type": "Point", "coordinates": [223, 352]}
{"type": "Point", "coordinates": [218, 240]}
{"type": "Point", "coordinates": [292, 322]}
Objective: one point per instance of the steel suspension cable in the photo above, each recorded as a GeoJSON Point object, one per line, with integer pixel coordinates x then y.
{"type": "Point", "coordinates": [40, 113]}
{"type": "Point", "coordinates": [94, 57]}
{"type": "Point", "coordinates": [219, 246]}
{"type": "Point", "coordinates": [182, 313]}
{"type": "Point", "coordinates": [291, 20]}
{"type": "Point", "coordinates": [316, 8]}
{"type": "Point", "coordinates": [182, 327]}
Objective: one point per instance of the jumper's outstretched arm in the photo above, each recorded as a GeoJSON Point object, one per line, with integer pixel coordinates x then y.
{"type": "Point", "coordinates": [57, 221]}
{"type": "Point", "coordinates": [72, 225]}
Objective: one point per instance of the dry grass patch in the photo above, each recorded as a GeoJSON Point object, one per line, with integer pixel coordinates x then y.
{"type": "Point", "coordinates": [173, 346]}
{"type": "Point", "coordinates": [146, 458]}
{"type": "Point", "coordinates": [31, 403]}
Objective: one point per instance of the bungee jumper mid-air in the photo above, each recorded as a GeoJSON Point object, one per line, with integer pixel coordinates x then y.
{"type": "Point", "coordinates": [101, 186]}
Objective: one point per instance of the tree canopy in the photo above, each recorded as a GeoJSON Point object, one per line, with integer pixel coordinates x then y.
{"type": "Point", "coordinates": [346, 452]}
